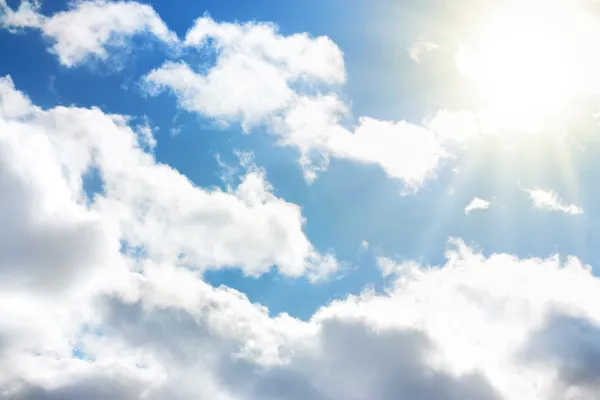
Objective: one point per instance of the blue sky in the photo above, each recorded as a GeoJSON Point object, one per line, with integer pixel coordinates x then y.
{"type": "Point", "coordinates": [383, 82]}
{"type": "Point", "coordinates": [420, 108]}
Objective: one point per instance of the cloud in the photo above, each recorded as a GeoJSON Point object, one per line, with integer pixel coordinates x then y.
{"type": "Point", "coordinates": [246, 92]}
{"type": "Point", "coordinates": [477, 204]}
{"type": "Point", "coordinates": [403, 150]}
{"type": "Point", "coordinates": [63, 249]}
{"type": "Point", "coordinates": [475, 328]}
{"type": "Point", "coordinates": [102, 294]}
{"type": "Point", "coordinates": [570, 344]}
{"type": "Point", "coordinates": [548, 200]}
{"type": "Point", "coordinates": [41, 205]}
{"type": "Point", "coordinates": [298, 55]}
{"type": "Point", "coordinates": [285, 83]}
{"type": "Point", "coordinates": [255, 70]}
{"type": "Point", "coordinates": [485, 314]}
{"type": "Point", "coordinates": [150, 204]}
{"type": "Point", "coordinates": [26, 15]}
{"type": "Point", "coordinates": [89, 28]}
{"type": "Point", "coordinates": [144, 324]}
{"type": "Point", "coordinates": [420, 47]}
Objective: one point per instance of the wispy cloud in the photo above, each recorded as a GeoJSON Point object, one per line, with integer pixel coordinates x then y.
{"type": "Point", "coordinates": [549, 200]}
{"type": "Point", "coordinates": [420, 47]}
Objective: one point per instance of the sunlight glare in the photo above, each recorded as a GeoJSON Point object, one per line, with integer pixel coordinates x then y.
{"type": "Point", "coordinates": [530, 59]}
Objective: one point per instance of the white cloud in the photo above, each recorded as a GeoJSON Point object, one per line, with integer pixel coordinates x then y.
{"type": "Point", "coordinates": [262, 77]}
{"type": "Point", "coordinates": [150, 204]}
{"type": "Point", "coordinates": [403, 150]}
{"type": "Point", "coordinates": [421, 47]}
{"type": "Point", "coordinates": [145, 324]}
{"type": "Point", "coordinates": [298, 56]}
{"type": "Point", "coordinates": [24, 17]}
{"type": "Point", "coordinates": [89, 28]}
{"type": "Point", "coordinates": [254, 72]}
{"type": "Point", "coordinates": [477, 204]}
{"type": "Point", "coordinates": [474, 328]}
{"type": "Point", "coordinates": [40, 205]}
{"type": "Point", "coordinates": [60, 252]}
{"type": "Point", "coordinates": [248, 91]}
{"type": "Point", "coordinates": [550, 201]}
{"type": "Point", "coordinates": [486, 315]}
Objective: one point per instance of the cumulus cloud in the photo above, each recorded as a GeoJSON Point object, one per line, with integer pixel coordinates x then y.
{"type": "Point", "coordinates": [254, 71]}
{"type": "Point", "coordinates": [477, 204]}
{"type": "Point", "coordinates": [139, 322]}
{"type": "Point", "coordinates": [25, 16]}
{"type": "Point", "coordinates": [88, 28]}
{"type": "Point", "coordinates": [150, 204]}
{"type": "Point", "coordinates": [261, 77]}
{"type": "Point", "coordinates": [474, 328]}
{"type": "Point", "coordinates": [519, 323]}
{"type": "Point", "coordinates": [298, 55]}
{"type": "Point", "coordinates": [63, 249]}
{"type": "Point", "coordinates": [548, 200]}
{"type": "Point", "coordinates": [40, 204]}
{"type": "Point", "coordinates": [403, 150]}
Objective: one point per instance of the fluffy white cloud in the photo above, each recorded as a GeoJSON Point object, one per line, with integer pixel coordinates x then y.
{"type": "Point", "coordinates": [25, 16]}
{"type": "Point", "coordinates": [549, 200]}
{"type": "Point", "coordinates": [477, 204]}
{"type": "Point", "coordinates": [474, 328]}
{"type": "Point", "coordinates": [488, 315]}
{"type": "Point", "coordinates": [245, 90]}
{"type": "Point", "coordinates": [62, 251]}
{"type": "Point", "coordinates": [262, 77]}
{"type": "Point", "coordinates": [88, 28]}
{"type": "Point", "coordinates": [147, 326]}
{"type": "Point", "coordinates": [296, 56]}
{"type": "Point", "coordinates": [101, 296]}
{"type": "Point", "coordinates": [150, 204]}
{"type": "Point", "coordinates": [41, 204]}
{"type": "Point", "coordinates": [403, 150]}
{"type": "Point", "coordinates": [254, 72]}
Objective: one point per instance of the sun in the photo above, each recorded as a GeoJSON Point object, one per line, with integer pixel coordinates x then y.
{"type": "Point", "coordinates": [529, 60]}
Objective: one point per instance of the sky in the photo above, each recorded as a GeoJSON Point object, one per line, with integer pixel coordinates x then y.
{"type": "Point", "coordinates": [265, 200]}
